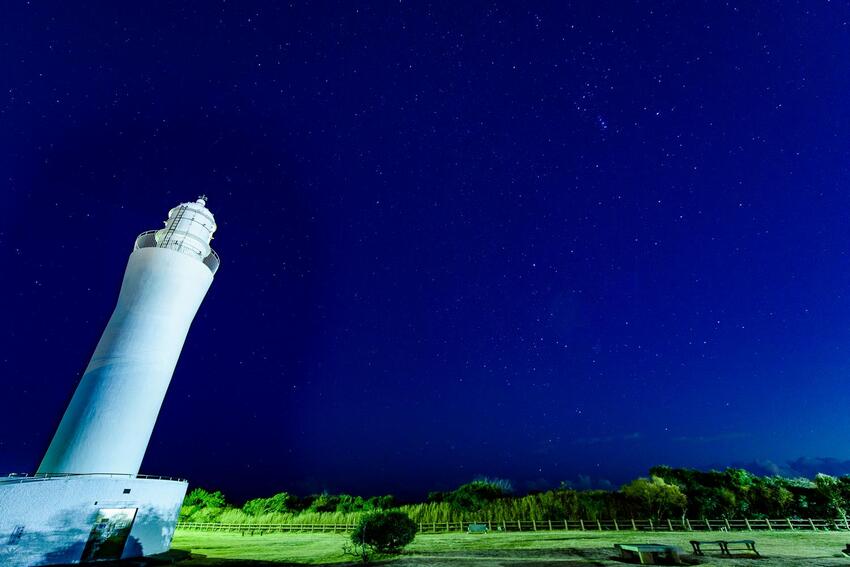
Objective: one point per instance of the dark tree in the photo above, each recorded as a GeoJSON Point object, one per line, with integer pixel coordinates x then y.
{"type": "Point", "coordinates": [387, 531]}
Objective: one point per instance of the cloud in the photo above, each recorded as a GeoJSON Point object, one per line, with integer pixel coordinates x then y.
{"type": "Point", "coordinates": [586, 482]}
{"type": "Point", "coordinates": [806, 467]}
{"type": "Point", "coordinates": [712, 438]}
{"type": "Point", "coordinates": [810, 466]}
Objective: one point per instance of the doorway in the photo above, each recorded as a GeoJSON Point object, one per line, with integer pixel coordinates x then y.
{"type": "Point", "coordinates": [109, 534]}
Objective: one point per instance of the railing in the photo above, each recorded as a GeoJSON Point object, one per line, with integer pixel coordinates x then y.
{"type": "Point", "coordinates": [259, 529]}
{"type": "Point", "coordinates": [761, 524]}
{"type": "Point", "coordinates": [212, 261]}
{"type": "Point", "coordinates": [38, 477]}
{"type": "Point", "coordinates": [147, 239]}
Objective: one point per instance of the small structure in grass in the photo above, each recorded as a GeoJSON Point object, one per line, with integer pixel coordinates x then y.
{"type": "Point", "coordinates": [649, 553]}
{"type": "Point", "coordinates": [746, 545]}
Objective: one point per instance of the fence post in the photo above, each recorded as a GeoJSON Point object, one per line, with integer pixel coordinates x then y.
{"type": "Point", "coordinates": [728, 527]}
{"type": "Point", "coordinates": [811, 523]}
{"type": "Point", "coordinates": [634, 527]}
{"type": "Point", "coordinates": [566, 526]}
{"type": "Point", "coordinates": [768, 524]}
{"type": "Point", "coordinates": [708, 524]}
{"type": "Point", "coordinates": [669, 524]}
{"type": "Point", "coordinates": [749, 527]}
{"type": "Point", "coordinates": [582, 524]}
{"type": "Point", "coordinates": [616, 526]}
{"type": "Point", "coordinates": [447, 527]}
{"type": "Point", "coordinates": [688, 523]}
{"type": "Point", "coordinates": [550, 525]}
{"type": "Point", "coordinates": [598, 524]}
{"type": "Point", "coordinates": [489, 525]}
{"type": "Point", "coordinates": [790, 525]}
{"type": "Point", "coordinates": [519, 525]}
{"type": "Point", "coordinates": [504, 526]}
{"type": "Point", "coordinates": [533, 524]}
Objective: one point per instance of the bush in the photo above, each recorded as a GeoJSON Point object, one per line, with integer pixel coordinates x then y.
{"type": "Point", "coordinates": [657, 498]}
{"type": "Point", "coordinates": [278, 504]}
{"type": "Point", "coordinates": [385, 531]}
{"type": "Point", "coordinates": [202, 506]}
{"type": "Point", "coordinates": [380, 502]}
{"type": "Point", "coordinates": [474, 496]}
{"type": "Point", "coordinates": [324, 502]}
{"type": "Point", "coordinates": [200, 514]}
{"type": "Point", "coordinates": [205, 499]}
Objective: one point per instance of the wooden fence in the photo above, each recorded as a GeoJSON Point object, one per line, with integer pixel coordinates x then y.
{"type": "Point", "coordinates": [787, 524]}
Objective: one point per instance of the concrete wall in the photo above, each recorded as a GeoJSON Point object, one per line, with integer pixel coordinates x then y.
{"type": "Point", "coordinates": [48, 521]}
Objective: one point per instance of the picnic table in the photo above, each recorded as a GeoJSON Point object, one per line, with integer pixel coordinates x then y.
{"type": "Point", "coordinates": [649, 553]}
{"type": "Point", "coordinates": [748, 545]}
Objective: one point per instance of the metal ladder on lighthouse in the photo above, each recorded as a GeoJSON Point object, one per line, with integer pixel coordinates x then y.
{"type": "Point", "coordinates": [172, 228]}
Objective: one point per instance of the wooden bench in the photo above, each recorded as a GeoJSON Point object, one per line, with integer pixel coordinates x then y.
{"type": "Point", "coordinates": [749, 545]}
{"type": "Point", "coordinates": [649, 553]}
{"type": "Point", "coordinates": [698, 549]}
{"type": "Point", "coordinates": [477, 529]}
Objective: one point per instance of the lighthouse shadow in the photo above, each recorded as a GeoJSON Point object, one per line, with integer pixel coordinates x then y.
{"type": "Point", "coordinates": [173, 557]}
{"type": "Point", "coordinates": [185, 558]}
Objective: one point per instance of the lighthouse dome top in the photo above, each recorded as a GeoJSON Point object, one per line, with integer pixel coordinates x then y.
{"type": "Point", "coordinates": [188, 230]}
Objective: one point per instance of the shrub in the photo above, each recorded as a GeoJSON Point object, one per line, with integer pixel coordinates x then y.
{"type": "Point", "coordinates": [380, 502]}
{"type": "Point", "coordinates": [385, 531]}
{"type": "Point", "coordinates": [323, 502]}
{"type": "Point", "coordinates": [202, 506]}
{"type": "Point", "coordinates": [279, 503]}
{"type": "Point", "coordinates": [205, 499]}
{"type": "Point", "coordinates": [200, 514]}
{"type": "Point", "coordinates": [475, 495]}
{"type": "Point", "coordinates": [829, 489]}
{"type": "Point", "coordinates": [658, 498]}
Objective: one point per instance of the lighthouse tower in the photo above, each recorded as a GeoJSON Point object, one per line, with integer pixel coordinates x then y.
{"type": "Point", "coordinates": [87, 501]}
{"type": "Point", "coordinates": [109, 421]}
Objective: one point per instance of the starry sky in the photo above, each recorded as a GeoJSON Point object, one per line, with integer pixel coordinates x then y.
{"type": "Point", "coordinates": [560, 243]}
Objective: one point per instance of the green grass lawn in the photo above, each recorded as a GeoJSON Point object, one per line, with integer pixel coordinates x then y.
{"type": "Point", "coordinates": [547, 549]}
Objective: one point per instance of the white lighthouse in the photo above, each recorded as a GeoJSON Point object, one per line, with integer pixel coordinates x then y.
{"type": "Point", "coordinates": [109, 421]}
{"type": "Point", "coordinates": [87, 500]}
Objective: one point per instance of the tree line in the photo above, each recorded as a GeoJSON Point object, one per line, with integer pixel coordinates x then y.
{"type": "Point", "coordinates": [667, 493]}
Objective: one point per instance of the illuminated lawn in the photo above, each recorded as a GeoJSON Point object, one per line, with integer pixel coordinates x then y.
{"type": "Point", "coordinates": [507, 549]}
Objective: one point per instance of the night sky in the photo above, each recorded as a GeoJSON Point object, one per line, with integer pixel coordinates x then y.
{"type": "Point", "coordinates": [561, 243]}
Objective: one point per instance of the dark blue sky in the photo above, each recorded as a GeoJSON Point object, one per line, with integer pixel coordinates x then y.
{"type": "Point", "coordinates": [456, 239]}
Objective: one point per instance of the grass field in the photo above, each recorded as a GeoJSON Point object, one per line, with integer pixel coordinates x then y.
{"type": "Point", "coordinates": [543, 549]}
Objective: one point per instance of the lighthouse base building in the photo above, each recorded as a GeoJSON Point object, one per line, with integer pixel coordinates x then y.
{"type": "Point", "coordinates": [87, 502]}
{"type": "Point", "coordinates": [48, 520]}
